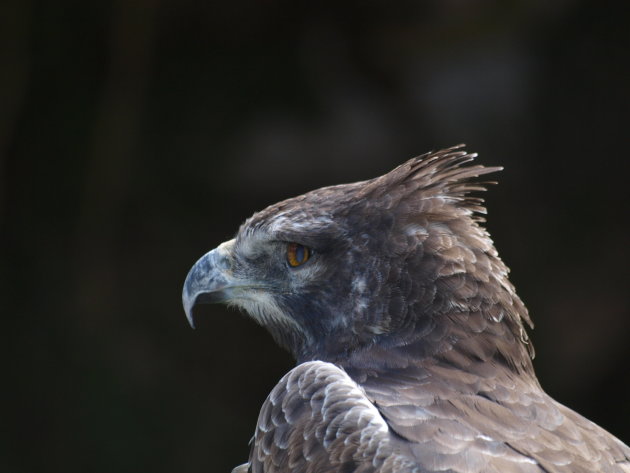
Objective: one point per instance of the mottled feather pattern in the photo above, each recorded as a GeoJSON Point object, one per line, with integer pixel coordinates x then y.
{"type": "Point", "coordinates": [317, 406]}
{"type": "Point", "coordinates": [411, 342]}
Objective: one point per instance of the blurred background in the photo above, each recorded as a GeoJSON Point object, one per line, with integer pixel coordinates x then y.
{"type": "Point", "coordinates": [135, 136]}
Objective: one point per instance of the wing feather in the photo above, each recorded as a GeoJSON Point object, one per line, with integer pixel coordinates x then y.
{"type": "Point", "coordinates": [317, 419]}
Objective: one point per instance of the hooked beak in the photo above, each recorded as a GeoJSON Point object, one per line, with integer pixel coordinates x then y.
{"type": "Point", "coordinates": [208, 280]}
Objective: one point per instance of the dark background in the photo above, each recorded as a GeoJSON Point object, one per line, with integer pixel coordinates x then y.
{"type": "Point", "coordinates": [135, 136]}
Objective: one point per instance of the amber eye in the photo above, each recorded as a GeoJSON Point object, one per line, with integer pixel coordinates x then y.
{"type": "Point", "coordinates": [297, 254]}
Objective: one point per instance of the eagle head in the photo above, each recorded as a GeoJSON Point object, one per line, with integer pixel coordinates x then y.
{"type": "Point", "coordinates": [399, 260]}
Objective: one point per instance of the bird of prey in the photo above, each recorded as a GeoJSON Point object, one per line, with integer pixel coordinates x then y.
{"type": "Point", "coordinates": [410, 341]}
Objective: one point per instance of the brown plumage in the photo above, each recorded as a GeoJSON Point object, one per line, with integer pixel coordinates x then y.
{"type": "Point", "coordinates": [410, 339]}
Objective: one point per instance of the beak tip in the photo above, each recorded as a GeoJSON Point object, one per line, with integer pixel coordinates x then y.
{"type": "Point", "coordinates": [191, 320]}
{"type": "Point", "coordinates": [188, 310]}
{"type": "Point", "coordinates": [188, 304]}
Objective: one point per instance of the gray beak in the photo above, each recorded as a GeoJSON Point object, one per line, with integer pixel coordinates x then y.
{"type": "Point", "coordinates": [208, 280]}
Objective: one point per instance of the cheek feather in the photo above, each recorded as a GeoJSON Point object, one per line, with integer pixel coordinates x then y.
{"type": "Point", "coordinates": [264, 309]}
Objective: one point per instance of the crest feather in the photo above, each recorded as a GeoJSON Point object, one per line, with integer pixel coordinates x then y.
{"type": "Point", "coordinates": [439, 174]}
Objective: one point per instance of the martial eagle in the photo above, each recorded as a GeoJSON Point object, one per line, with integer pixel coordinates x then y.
{"type": "Point", "coordinates": [410, 341]}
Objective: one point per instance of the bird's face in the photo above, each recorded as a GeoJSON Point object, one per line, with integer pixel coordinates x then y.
{"type": "Point", "coordinates": [394, 259]}
{"type": "Point", "coordinates": [303, 274]}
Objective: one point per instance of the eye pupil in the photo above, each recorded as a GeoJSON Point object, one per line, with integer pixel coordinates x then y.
{"type": "Point", "coordinates": [297, 254]}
